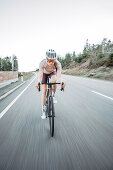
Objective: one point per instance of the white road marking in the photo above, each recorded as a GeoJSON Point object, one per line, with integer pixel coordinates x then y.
{"type": "Point", "coordinates": [9, 106]}
{"type": "Point", "coordinates": [5, 95]}
{"type": "Point", "coordinates": [103, 95]}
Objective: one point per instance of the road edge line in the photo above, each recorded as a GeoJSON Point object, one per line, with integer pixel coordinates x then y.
{"type": "Point", "coordinates": [9, 92]}
{"type": "Point", "coordinates": [11, 104]}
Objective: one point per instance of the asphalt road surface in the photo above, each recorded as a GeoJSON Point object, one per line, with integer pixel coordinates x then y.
{"type": "Point", "coordinates": [83, 138]}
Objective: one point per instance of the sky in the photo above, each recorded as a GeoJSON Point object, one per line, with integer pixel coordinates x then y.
{"type": "Point", "coordinates": [28, 28]}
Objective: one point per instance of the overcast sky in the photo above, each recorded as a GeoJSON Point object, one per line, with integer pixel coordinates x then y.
{"type": "Point", "coordinates": [29, 27]}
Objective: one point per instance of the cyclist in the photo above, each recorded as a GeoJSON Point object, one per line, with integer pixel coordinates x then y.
{"type": "Point", "coordinates": [49, 67]}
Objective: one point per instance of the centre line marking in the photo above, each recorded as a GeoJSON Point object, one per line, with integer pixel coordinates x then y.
{"type": "Point", "coordinates": [103, 95]}
{"type": "Point", "coordinates": [9, 106]}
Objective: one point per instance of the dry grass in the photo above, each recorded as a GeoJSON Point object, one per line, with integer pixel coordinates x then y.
{"type": "Point", "coordinates": [104, 73]}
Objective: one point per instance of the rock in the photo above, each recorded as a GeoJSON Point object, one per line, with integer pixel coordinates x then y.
{"type": "Point", "coordinates": [91, 74]}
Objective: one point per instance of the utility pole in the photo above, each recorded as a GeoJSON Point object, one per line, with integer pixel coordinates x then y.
{"type": "Point", "coordinates": [12, 64]}
{"type": "Point", "coordinates": [0, 64]}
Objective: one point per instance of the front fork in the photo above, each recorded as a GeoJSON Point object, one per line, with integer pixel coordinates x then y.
{"type": "Point", "coordinates": [47, 101]}
{"type": "Point", "coordinates": [49, 106]}
{"type": "Point", "coordinates": [51, 111]}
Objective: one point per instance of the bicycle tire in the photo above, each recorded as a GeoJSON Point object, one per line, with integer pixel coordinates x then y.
{"type": "Point", "coordinates": [47, 108]}
{"type": "Point", "coordinates": [51, 116]}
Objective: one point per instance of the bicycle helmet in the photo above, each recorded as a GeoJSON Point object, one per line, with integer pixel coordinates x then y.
{"type": "Point", "coordinates": [51, 54]}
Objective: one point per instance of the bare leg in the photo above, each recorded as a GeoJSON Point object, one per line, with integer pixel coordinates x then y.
{"type": "Point", "coordinates": [44, 90]}
{"type": "Point", "coordinates": [53, 80]}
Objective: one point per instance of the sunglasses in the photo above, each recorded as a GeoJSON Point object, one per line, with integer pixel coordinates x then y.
{"type": "Point", "coordinates": [50, 61]}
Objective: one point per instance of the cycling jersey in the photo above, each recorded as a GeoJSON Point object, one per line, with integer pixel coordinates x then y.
{"type": "Point", "coordinates": [45, 68]}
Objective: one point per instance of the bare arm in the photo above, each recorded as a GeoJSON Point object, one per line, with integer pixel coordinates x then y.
{"type": "Point", "coordinates": [40, 76]}
{"type": "Point", "coordinates": [59, 77]}
{"type": "Point", "coordinates": [41, 70]}
{"type": "Point", "coordinates": [58, 69]}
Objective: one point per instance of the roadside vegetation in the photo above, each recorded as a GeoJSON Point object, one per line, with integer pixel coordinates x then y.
{"type": "Point", "coordinates": [26, 75]}
{"type": "Point", "coordinates": [9, 63]}
{"type": "Point", "coordinates": [95, 61]}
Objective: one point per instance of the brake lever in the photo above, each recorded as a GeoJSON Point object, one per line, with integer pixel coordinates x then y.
{"type": "Point", "coordinates": [62, 89]}
{"type": "Point", "coordinates": [39, 87]}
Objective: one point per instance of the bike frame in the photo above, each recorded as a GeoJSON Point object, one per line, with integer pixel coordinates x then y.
{"type": "Point", "coordinates": [50, 112]}
{"type": "Point", "coordinates": [49, 94]}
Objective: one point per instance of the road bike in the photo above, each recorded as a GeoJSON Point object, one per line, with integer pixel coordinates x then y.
{"type": "Point", "coordinates": [50, 110]}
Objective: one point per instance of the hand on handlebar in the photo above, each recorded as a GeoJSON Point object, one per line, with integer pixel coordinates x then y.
{"type": "Point", "coordinates": [63, 86]}
{"type": "Point", "coordinates": [38, 86]}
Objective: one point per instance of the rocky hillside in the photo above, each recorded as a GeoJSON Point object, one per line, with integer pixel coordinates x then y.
{"type": "Point", "coordinates": [91, 67]}
{"type": "Point", "coordinates": [95, 61]}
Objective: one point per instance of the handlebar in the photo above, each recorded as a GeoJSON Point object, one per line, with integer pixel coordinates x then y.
{"type": "Point", "coordinates": [39, 89]}
{"type": "Point", "coordinates": [51, 83]}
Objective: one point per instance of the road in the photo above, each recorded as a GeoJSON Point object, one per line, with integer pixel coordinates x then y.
{"type": "Point", "coordinates": [83, 137]}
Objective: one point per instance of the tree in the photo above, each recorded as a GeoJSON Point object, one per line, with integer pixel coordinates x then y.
{"type": "Point", "coordinates": [14, 63]}
{"type": "Point", "coordinates": [9, 63]}
{"type": "Point", "coordinates": [68, 58]}
{"type": "Point", "coordinates": [108, 45]}
{"type": "Point", "coordinates": [6, 64]}
{"type": "Point", "coordinates": [61, 60]}
{"type": "Point", "coordinates": [73, 56]}
{"type": "Point", "coordinates": [86, 48]}
{"type": "Point", "coordinates": [104, 42]}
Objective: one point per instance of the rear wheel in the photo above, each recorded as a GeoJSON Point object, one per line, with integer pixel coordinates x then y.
{"type": "Point", "coordinates": [51, 116]}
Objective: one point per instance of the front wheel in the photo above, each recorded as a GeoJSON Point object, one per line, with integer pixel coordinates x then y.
{"type": "Point", "coordinates": [51, 116]}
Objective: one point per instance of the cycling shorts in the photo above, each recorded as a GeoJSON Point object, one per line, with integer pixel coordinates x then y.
{"type": "Point", "coordinates": [44, 79]}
